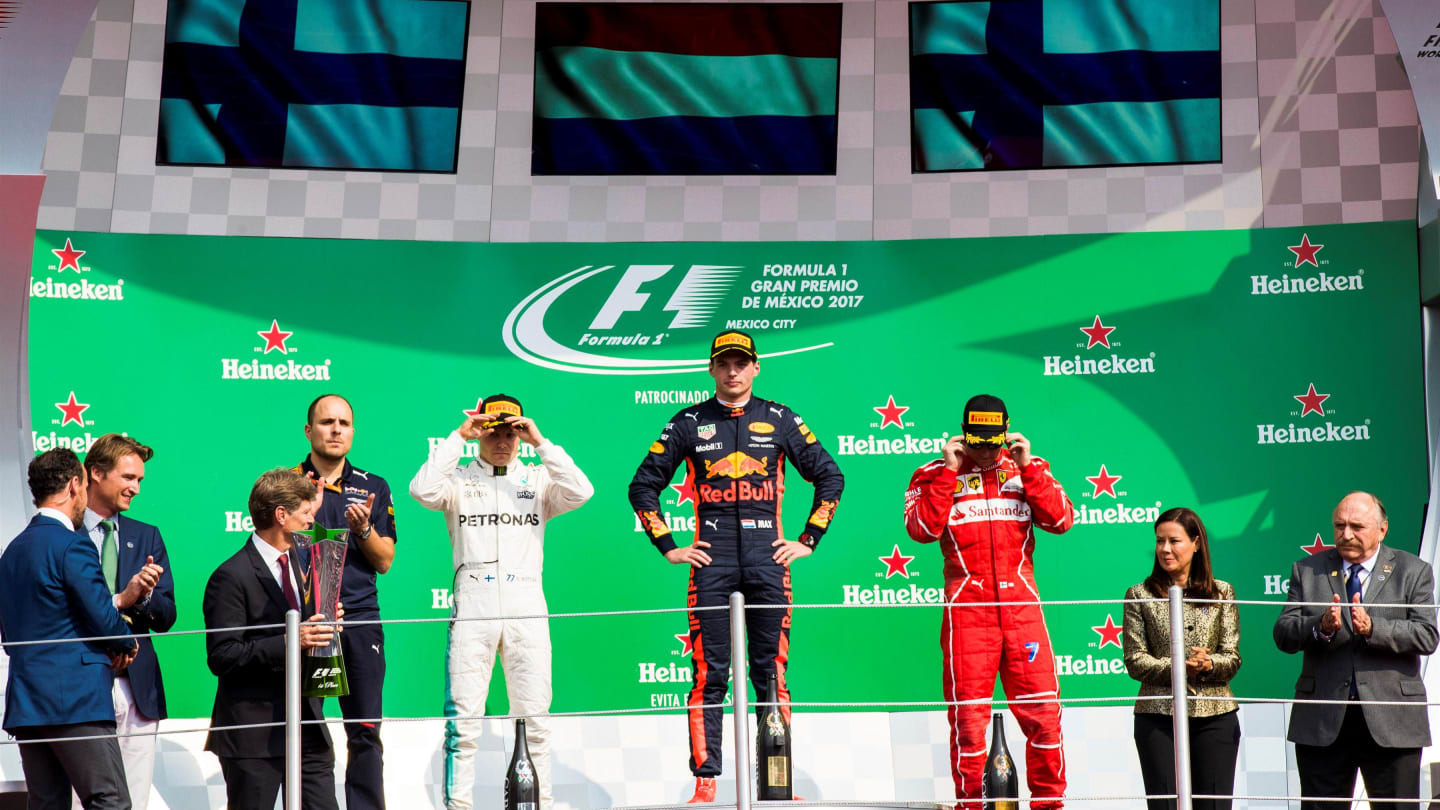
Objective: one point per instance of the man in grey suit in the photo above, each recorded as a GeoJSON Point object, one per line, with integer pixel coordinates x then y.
{"type": "Point", "coordinates": [1354, 652]}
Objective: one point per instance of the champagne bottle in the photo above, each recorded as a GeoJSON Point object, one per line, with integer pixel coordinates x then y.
{"type": "Point", "coordinates": [773, 749]}
{"type": "Point", "coordinates": [1000, 781]}
{"type": "Point", "coordinates": [522, 787]}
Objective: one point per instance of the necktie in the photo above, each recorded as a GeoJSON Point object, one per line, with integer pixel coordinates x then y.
{"type": "Point", "coordinates": [285, 583]}
{"type": "Point", "coordinates": [1352, 589]}
{"type": "Point", "coordinates": [109, 554]}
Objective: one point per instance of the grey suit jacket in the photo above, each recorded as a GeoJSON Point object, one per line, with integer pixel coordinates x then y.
{"type": "Point", "coordinates": [1386, 666]}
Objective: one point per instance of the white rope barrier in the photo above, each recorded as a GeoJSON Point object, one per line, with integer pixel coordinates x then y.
{"type": "Point", "coordinates": [710, 608]}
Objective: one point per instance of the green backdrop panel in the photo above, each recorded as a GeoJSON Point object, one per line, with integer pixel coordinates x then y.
{"type": "Point", "coordinates": [1152, 370]}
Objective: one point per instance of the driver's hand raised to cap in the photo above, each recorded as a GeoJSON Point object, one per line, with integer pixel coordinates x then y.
{"type": "Point", "coordinates": [955, 452]}
{"type": "Point", "coordinates": [1019, 448]}
{"type": "Point", "coordinates": [473, 427]}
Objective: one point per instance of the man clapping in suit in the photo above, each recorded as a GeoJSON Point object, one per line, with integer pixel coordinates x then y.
{"type": "Point", "coordinates": [54, 589]}
{"type": "Point", "coordinates": [1354, 652]}
{"type": "Point", "coordinates": [133, 558]}
{"type": "Point", "coordinates": [257, 586]}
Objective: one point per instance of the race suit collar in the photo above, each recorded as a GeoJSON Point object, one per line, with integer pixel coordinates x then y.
{"type": "Point", "coordinates": [498, 471]}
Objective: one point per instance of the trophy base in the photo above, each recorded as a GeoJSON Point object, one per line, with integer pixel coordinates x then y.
{"type": "Point", "coordinates": [324, 676]}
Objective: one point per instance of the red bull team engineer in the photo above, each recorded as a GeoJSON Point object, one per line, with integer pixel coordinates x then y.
{"type": "Point", "coordinates": [982, 502]}
{"type": "Point", "coordinates": [734, 447]}
{"type": "Point", "coordinates": [496, 511]}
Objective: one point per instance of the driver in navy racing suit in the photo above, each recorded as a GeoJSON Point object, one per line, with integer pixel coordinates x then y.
{"type": "Point", "coordinates": [735, 447]}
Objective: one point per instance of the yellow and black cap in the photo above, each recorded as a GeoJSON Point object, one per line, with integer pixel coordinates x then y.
{"type": "Point", "coordinates": [986, 420]}
{"type": "Point", "coordinates": [499, 406]}
{"type": "Point", "coordinates": [733, 341]}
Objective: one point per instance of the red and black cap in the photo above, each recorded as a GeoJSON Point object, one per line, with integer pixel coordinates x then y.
{"type": "Point", "coordinates": [500, 406]}
{"type": "Point", "coordinates": [733, 341]}
{"type": "Point", "coordinates": [986, 420]}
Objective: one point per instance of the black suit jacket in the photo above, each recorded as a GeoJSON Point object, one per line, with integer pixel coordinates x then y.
{"type": "Point", "coordinates": [137, 541]}
{"type": "Point", "coordinates": [251, 663]}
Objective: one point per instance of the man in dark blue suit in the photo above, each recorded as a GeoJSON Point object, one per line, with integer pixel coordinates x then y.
{"type": "Point", "coordinates": [132, 556]}
{"type": "Point", "coordinates": [54, 589]}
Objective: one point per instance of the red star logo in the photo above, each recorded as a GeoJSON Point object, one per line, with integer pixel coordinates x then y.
{"type": "Point", "coordinates": [1317, 546]}
{"type": "Point", "coordinates": [684, 638]}
{"type": "Point", "coordinates": [479, 403]}
{"type": "Point", "coordinates": [1313, 402]}
{"type": "Point", "coordinates": [1305, 252]}
{"type": "Point", "coordinates": [684, 491]}
{"type": "Point", "coordinates": [1098, 333]}
{"type": "Point", "coordinates": [1103, 482]}
{"type": "Point", "coordinates": [72, 410]}
{"type": "Point", "coordinates": [1109, 632]}
{"type": "Point", "coordinates": [890, 414]}
{"type": "Point", "coordinates": [68, 256]}
{"type": "Point", "coordinates": [896, 563]}
{"type": "Point", "coordinates": [275, 338]}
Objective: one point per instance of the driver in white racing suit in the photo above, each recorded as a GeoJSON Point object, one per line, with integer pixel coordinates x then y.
{"type": "Point", "coordinates": [496, 511]}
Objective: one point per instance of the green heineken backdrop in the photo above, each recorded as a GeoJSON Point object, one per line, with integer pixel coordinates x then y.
{"type": "Point", "coordinates": [1255, 376]}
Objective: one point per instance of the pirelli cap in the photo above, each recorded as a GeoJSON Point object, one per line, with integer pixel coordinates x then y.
{"type": "Point", "coordinates": [733, 341]}
{"type": "Point", "coordinates": [500, 405]}
{"type": "Point", "coordinates": [986, 420]}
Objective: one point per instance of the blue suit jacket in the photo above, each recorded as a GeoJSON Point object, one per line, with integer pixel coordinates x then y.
{"type": "Point", "coordinates": [137, 541]}
{"type": "Point", "coordinates": [54, 589]}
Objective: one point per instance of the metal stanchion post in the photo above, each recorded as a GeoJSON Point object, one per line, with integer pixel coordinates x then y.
{"type": "Point", "coordinates": [292, 710]}
{"type": "Point", "coordinates": [740, 685]}
{"type": "Point", "coordinates": [1177, 688]}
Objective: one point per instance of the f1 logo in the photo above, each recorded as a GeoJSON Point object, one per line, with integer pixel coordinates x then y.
{"type": "Point", "coordinates": [693, 301]}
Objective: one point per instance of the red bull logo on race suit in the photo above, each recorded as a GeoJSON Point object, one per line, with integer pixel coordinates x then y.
{"type": "Point", "coordinates": [737, 465]}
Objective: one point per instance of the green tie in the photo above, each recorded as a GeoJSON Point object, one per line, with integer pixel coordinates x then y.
{"type": "Point", "coordinates": [109, 554]}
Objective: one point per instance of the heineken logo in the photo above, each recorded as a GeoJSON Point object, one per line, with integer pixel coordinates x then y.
{"type": "Point", "coordinates": [903, 595]}
{"type": "Point", "coordinates": [72, 411]}
{"type": "Point", "coordinates": [1103, 483]}
{"type": "Point", "coordinates": [1089, 665]}
{"type": "Point", "coordinates": [1312, 431]}
{"type": "Point", "coordinates": [658, 318]}
{"type": "Point", "coordinates": [273, 339]}
{"type": "Point", "coordinates": [1109, 632]}
{"type": "Point", "coordinates": [1313, 402]}
{"type": "Point", "coordinates": [687, 647]}
{"type": "Point", "coordinates": [45, 442]}
{"type": "Point", "coordinates": [1117, 514]}
{"type": "Point", "coordinates": [1306, 254]}
{"type": "Point", "coordinates": [66, 259]}
{"type": "Point", "coordinates": [651, 672]}
{"type": "Point", "coordinates": [884, 445]}
{"type": "Point", "coordinates": [891, 414]}
{"type": "Point", "coordinates": [69, 258]}
{"type": "Point", "coordinates": [1316, 546]}
{"type": "Point", "coordinates": [1097, 333]}
{"type": "Point", "coordinates": [897, 564]}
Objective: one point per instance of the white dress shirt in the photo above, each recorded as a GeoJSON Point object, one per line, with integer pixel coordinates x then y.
{"type": "Point", "coordinates": [51, 512]}
{"type": "Point", "coordinates": [271, 556]}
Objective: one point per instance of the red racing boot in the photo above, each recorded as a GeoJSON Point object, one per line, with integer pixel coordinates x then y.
{"type": "Point", "coordinates": [704, 790]}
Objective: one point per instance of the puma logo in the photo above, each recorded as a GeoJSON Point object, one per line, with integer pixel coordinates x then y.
{"type": "Point", "coordinates": [376, 648]}
{"type": "Point", "coordinates": [713, 525]}
{"type": "Point", "coordinates": [694, 416]}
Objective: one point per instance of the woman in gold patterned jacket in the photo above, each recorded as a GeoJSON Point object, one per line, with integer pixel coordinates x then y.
{"type": "Point", "coordinates": [1212, 635]}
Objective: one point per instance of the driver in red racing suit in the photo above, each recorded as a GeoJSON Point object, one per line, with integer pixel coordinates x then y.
{"type": "Point", "coordinates": [981, 502]}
